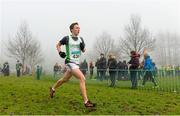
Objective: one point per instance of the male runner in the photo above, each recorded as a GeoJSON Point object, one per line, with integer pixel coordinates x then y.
{"type": "Point", "coordinates": [74, 45]}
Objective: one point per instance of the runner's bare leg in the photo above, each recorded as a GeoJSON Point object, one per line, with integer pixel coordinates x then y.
{"type": "Point", "coordinates": [79, 75]}
{"type": "Point", "coordinates": [66, 78]}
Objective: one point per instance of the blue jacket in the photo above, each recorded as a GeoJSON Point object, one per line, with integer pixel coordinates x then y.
{"type": "Point", "coordinates": [148, 63]}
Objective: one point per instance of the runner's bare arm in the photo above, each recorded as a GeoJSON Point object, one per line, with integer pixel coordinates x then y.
{"type": "Point", "coordinates": [58, 47]}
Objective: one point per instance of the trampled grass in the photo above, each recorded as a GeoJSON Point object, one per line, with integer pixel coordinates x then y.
{"type": "Point", "coordinates": [26, 96]}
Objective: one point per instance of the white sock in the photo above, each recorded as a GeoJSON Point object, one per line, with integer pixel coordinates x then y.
{"type": "Point", "coordinates": [86, 101]}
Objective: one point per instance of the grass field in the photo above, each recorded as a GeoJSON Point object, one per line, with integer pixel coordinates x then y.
{"type": "Point", "coordinates": [27, 96]}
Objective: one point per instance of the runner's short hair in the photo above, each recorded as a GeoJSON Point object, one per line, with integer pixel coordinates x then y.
{"type": "Point", "coordinates": [102, 54]}
{"type": "Point", "coordinates": [133, 52]}
{"type": "Point", "coordinates": [72, 25]}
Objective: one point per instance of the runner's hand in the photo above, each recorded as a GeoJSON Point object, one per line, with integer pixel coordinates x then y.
{"type": "Point", "coordinates": [62, 54]}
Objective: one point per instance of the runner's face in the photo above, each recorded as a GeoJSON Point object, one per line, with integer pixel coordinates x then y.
{"type": "Point", "coordinates": [76, 30]}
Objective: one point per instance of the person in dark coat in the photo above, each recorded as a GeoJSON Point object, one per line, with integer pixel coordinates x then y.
{"type": "Point", "coordinates": [84, 67]}
{"type": "Point", "coordinates": [112, 65]}
{"type": "Point", "coordinates": [134, 64]}
{"type": "Point", "coordinates": [6, 70]}
{"type": "Point", "coordinates": [98, 69]}
{"type": "Point", "coordinates": [18, 68]}
{"type": "Point", "coordinates": [120, 70]}
{"type": "Point", "coordinates": [0, 70]}
{"type": "Point", "coordinates": [91, 68]}
{"type": "Point", "coordinates": [102, 66]}
{"type": "Point", "coordinates": [125, 70]}
{"type": "Point", "coordinates": [155, 70]}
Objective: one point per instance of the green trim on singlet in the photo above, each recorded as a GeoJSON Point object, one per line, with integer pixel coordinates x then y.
{"type": "Point", "coordinates": [67, 53]}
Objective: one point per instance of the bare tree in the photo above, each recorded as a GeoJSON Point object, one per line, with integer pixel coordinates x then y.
{"type": "Point", "coordinates": [136, 38]}
{"type": "Point", "coordinates": [92, 56]}
{"type": "Point", "coordinates": [22, 45]}
{"type": "Point", "coordinates": [34, 54]}
{"type": "Point", "coordinates": [104, 44]}
{"type": "Point", "coordinates": [18, 46]}
{"type": "Point", "coordinates": [167, 48]}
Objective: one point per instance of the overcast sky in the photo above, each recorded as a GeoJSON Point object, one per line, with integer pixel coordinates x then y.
{"type": "Point", "coordinates": [49, 20]}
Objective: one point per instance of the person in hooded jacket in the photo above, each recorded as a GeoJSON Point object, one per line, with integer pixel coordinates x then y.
{"type": "Point", "coordinates": [148, 70]}
{"type": "Point", "coordinates": [134, 64]}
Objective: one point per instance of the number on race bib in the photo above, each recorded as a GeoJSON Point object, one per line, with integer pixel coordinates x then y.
{"type": "Point", "coordinates": [76, 56]}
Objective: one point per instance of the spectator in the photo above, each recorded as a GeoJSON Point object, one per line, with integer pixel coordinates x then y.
{"type": "Point", "coordinates": [41, 68]}
{"type": "Point", "coordinates": [60, 69]}
{"type": "Point", "coordinates": [125, 70]}
{"type": "Point", "coordinates": [98, 69]}
{"type": "Point", "coordinates": [120, 70]}
{"type": "Point", "coordinates": [38, 72]}
{"type": "Point", "coordinates": [18, 68]}
{"type": "Point", "coordinates": [155, 70]}
{"type": "Point", "coordinates": [91, 67]}
{"type": "Point", "coordinates": [177, 70]}
{"type": "Point", "coordinates": [0, 69]}
{"type": "Point", "coordinates": [134, 64]}
{"type": "Point", "coordinates": [148, 67]}
{"type": "Point", "coordinates": [102, 66]}
{"type": "Point", "coordinates": [5, 69]}
{"type": "Point", "coordinates": [56, 69]}
{"type": "Point", "coordinates": [84, 67]}
{"type": "Point", "coordinates": [112, 65]}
